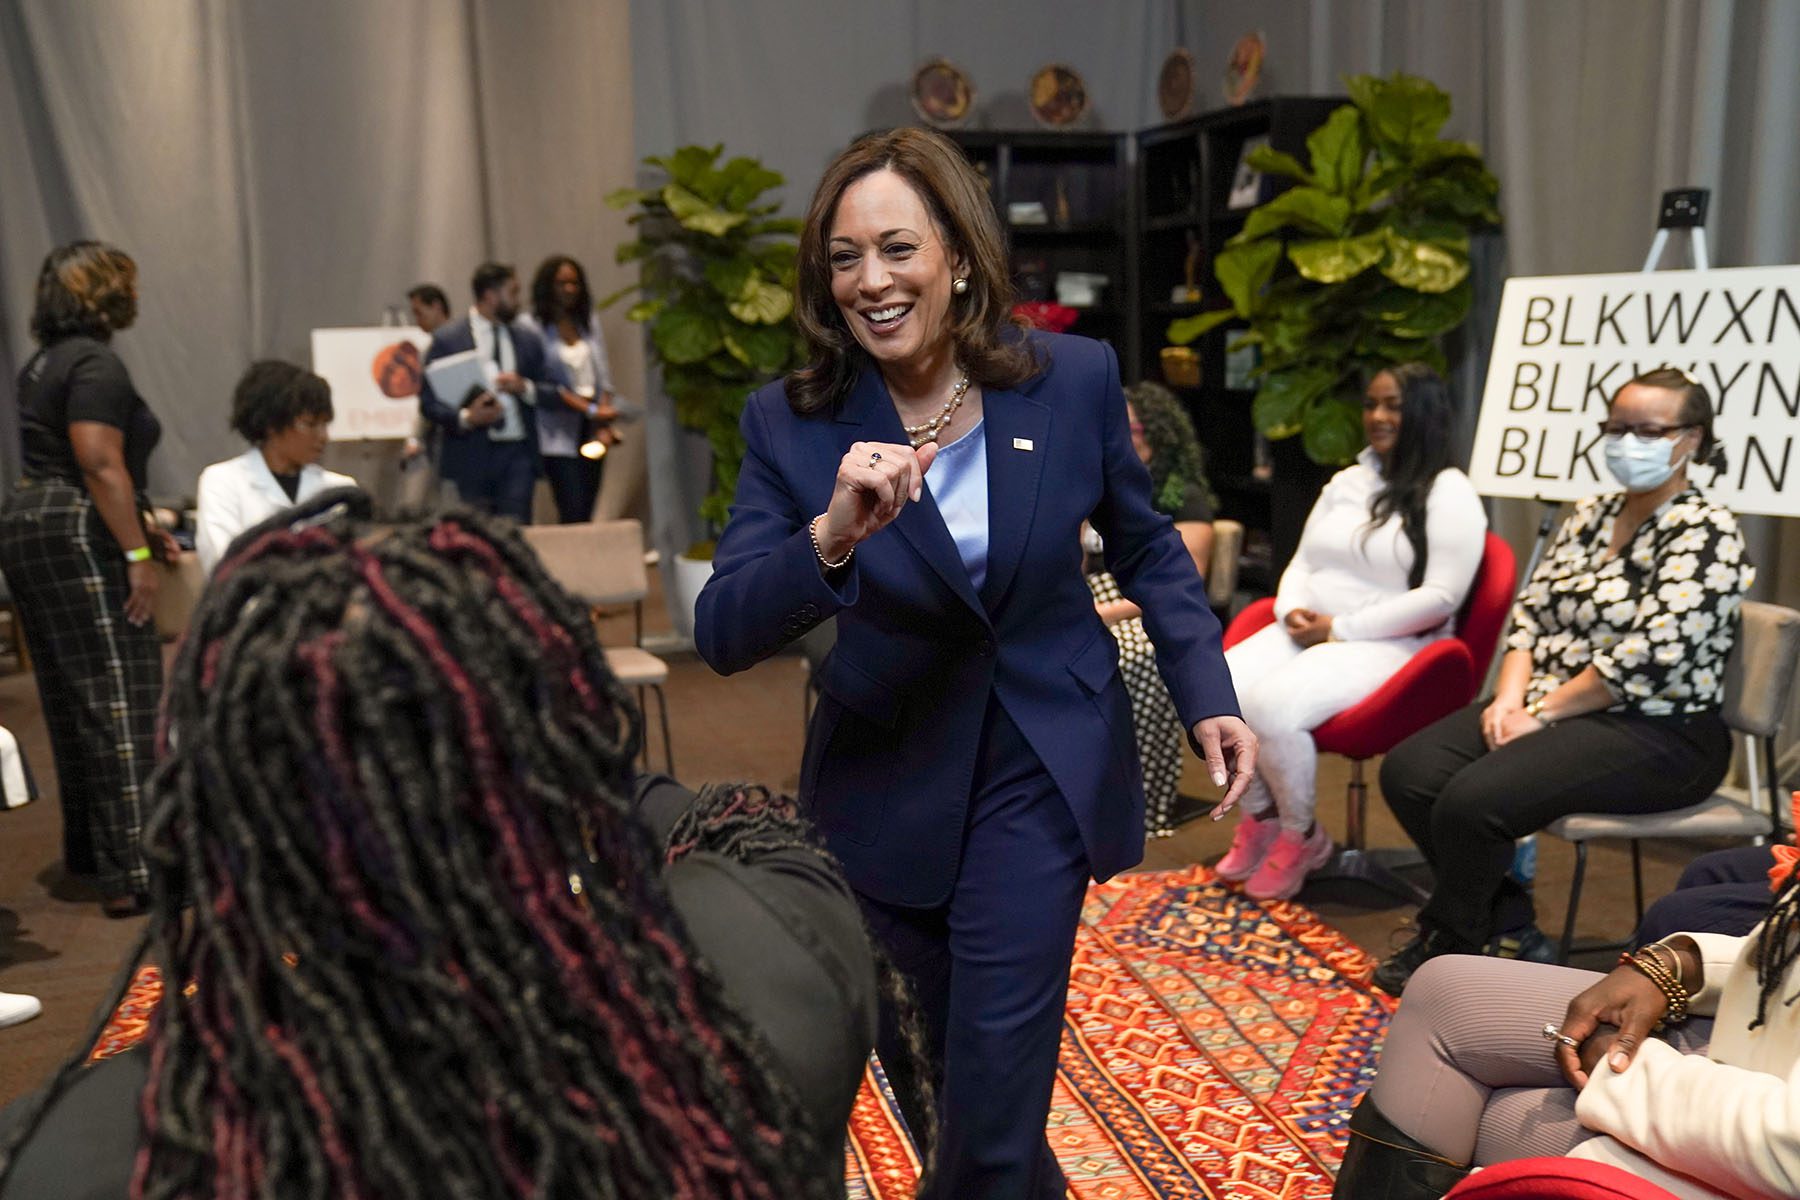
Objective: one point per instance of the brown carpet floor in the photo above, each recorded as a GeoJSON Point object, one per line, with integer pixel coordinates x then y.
{"type": "Point", "coordinates": [56, 945]}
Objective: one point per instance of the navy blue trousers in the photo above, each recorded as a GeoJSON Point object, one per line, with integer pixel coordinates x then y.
{"type": "Point", "coordinates": [1726, 891]}
{"type": "Point", "coordinates": [991, 971]}
{"type": "Point", "coordinates": [575, 486]}
{"type": "Point", "coordinates": [494, 477]}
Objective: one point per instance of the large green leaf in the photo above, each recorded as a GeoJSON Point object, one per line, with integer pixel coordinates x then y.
{"type": "Point", "coordinates": [682, 335]}
{"type": "Point", "coordinates": [1407, 313]}
{"type": "Point", "coordinates": [610, 300]}
{"type": "Point", "coordinates": [730, 277]}
{"type": "Point", "coordinates": [1423, 266]}
{"type": "Point", "coordinates": [1281, 402]}
{"type": "Point", "coordinates": [1333, 260]}
{"type": "Point", "coordinates": [1277, 162]}
{"type": "Point", "coordinates": [1333, 430]}
{"type": "Point", "coordinates": [1304, 207]}
{"type": "Point", "coordinates": [627, 197]}
{"type": "Point", "coordinates": [1183, 330]}
{"type": "Point", "coordinates": [1337, 150]}
{"type": "Point", "coordinates": [1466, 195]}
{"type": "Point", "coordinates": [783, 225]}
{"type": "Point", "coordinates": [644, 310]}
{"type": "Point", "coordinates": [690, 166]}
{"type": "Point", "coordinates": [1244, 270]}
{"type": "Point", "coordinates": [1405, 112]}
{"type": "Point", "coordinates": [762, 303]}
{"type": "Point", "coordinates": [745, 180]}
{"type": "Point", "coordinates": [764, 348]}
{"type": "Point", "coordinates": [696, 214]}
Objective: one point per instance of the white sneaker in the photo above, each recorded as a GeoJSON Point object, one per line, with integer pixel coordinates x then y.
{"type": "Point", "coordinates": [15, 1008]}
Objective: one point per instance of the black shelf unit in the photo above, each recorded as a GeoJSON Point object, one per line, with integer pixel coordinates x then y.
{"type": "Point", "coordinates": [1083, 181]}
{"type": "Point", "coordinates": [1185, 174]}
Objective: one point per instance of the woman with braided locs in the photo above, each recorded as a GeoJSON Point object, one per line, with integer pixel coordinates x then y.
{"type": "Point", "coordinates": [420, 937]}
{"type": "Point", "coordinates": [1681, 1066]}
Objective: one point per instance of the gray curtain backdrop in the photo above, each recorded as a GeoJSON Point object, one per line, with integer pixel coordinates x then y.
{"type": "Point", "coordinates": [1587, 110]}
{"type": "Point", "coordinates": [275, 167]}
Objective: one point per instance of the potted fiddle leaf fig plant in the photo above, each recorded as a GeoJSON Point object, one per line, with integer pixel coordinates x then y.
{"type": "Point", "coordinates": [1363, 263]}
{"type": "Point", "coordinates": [716, 289]}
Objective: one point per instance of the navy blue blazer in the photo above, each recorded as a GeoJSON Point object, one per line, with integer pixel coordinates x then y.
{"type": "Point", "coordinates": [530, 360]}
{"type": "Point", "coordinates": [893, 745]}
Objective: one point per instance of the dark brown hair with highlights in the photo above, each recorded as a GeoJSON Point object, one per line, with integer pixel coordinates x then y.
{"type": "Point", "coordinates": [989, 339]}
{"type": "Point", "coordinates": [84, 289]}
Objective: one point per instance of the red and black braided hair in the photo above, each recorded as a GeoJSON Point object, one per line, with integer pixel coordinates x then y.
{"type": "Point", "coordinates": [387, 760]}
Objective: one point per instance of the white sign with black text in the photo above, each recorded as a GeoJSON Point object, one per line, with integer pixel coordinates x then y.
{"type": "Point", "coordinates": [1564, 344]}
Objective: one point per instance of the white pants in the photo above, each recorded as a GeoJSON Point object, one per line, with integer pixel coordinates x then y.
{"type": "Point", "coordinates": [1286, 692]}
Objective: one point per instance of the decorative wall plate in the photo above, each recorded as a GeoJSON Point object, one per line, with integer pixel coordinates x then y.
{"type": "Point", "coordinates": [1245, 67]}
{"type": "Point", "coordinates": [1058, 96]}
{"type": "Point", "coordinates": [1175, 85]}
{"type": "Point", "coordinates": [942, 94]}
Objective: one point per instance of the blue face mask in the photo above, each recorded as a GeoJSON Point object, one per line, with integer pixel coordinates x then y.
{"type": "Point", "coordinates": [1641, 464]}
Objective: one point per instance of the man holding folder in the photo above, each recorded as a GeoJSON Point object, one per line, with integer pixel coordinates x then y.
{"type": "Point", "coordinates": [483, 377]}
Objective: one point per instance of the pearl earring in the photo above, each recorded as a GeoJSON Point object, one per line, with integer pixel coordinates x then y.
{"type": "Point", "coordinates": [959, 286]}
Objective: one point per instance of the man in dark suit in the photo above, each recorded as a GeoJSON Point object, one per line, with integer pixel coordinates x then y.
{"type": "Point", "coordinates": [490, 435]}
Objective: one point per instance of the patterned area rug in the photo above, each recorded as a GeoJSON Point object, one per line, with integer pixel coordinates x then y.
{"type": "Point", "coordinates": [1214, 1047]}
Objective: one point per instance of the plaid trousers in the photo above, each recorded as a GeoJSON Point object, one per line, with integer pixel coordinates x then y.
{"type": "Point", "coordinates": [99, 677]}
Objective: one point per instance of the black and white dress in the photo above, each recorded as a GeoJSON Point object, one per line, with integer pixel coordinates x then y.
{"type": "Point", "coordinates": [1160, 736]}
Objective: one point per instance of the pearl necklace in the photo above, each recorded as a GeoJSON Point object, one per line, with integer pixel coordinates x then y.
{"type": "Point", "coordinates": [928, 431]}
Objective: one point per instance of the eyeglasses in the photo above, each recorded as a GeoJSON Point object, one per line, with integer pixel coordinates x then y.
{"type": "Point", "coordinates": [1648, 432]}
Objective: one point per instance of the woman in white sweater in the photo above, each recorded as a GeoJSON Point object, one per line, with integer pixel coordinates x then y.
{"type": "Point", "coordinates": [1682, 1066]}
{"type": "Point", "coordinates": [284, 412]}
{"type": "Point", "coordinates": [1389, 551]}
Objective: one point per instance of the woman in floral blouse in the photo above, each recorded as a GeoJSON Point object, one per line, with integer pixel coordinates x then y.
{"type": "Point", "coordinates": [1608, 697]}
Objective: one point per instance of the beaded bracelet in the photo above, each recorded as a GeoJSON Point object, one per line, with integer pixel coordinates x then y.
{"type": "Point", "coordinates": [1652, 969]}
{"type": "Point", "coordinates": [812, 531]}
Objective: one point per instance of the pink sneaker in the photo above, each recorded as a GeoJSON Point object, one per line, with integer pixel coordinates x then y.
{"type": "Point", "coordinates": [1249, 846]}
{"type": "Point", "coordinates": [1295, 856]}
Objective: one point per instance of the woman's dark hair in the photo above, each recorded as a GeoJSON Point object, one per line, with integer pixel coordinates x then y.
{"type": "Point", "coordinates": [273, 395]}
{"type": "Point", "coordinates": [548, 307]}
{"type": "Point", "coordinates": [1696, 409]}
{"type": "Point", "coordinates": [84, 289]}
{"type": "Point", "coordinates": [1778, 944]}
{"type": "Point", "coordinates": [416, 941]}
{"type": "Point", "coordinates": [989, 340]}
{"type": "Point", "coordinates": [1176, 460]}
{"type": "Point", "coordinates": [1424, 447]}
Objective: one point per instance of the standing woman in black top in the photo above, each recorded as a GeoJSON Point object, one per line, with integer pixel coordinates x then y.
{"type": "Point", "coordinates": [77, 551]}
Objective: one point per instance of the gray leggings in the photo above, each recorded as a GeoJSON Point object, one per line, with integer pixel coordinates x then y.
{"type": "Point", "coordinates": [1466, 1069]}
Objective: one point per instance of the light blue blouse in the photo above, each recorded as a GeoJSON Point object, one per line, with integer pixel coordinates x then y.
{"type": "Point", "coordinates": [958, 480]}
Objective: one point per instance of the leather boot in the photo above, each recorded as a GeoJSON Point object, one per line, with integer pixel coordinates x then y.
{"type": "Point", "coordinates": [1381, 1163]}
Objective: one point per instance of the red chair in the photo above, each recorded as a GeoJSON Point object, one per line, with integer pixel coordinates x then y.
{"type": "Point", "coordinates": [1435, 682]}
{"type": "Point", "coordinates": [1556, 1179]}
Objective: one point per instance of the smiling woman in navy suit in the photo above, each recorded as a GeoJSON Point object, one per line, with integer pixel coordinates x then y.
{"type": "Point", "coordinates": [972, 760]}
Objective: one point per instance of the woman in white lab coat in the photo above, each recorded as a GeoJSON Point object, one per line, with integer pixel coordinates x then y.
{"type": "Point", "coordinates": [284, 412]}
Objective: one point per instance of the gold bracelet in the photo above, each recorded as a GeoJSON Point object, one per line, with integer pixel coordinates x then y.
{"type": "Point", "coordinates": [812, 531]}
{"type": "Point", "coordinates": [1674, 961]}
{"type": "Point", "coordinates": [1652, 969]}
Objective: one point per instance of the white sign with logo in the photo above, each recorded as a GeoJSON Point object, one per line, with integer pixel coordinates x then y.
{"type": "Point", "coordinates": [1564, 344]}
{"type": "Point", "coordinates": [374, 376]}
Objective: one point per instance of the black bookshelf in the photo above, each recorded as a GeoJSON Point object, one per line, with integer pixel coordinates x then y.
{"type": "Point", "coordinates": [1081, 186]}
{"type": "Point", "coordinates": [1185, 176]}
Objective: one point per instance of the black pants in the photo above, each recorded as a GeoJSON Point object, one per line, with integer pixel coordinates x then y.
{"type": "Point", "coordinates": [575, 485]}
{"type": "Point", "coordinates": [1465, 805]}
{"type": "Point", "coordinates": [99, 677]}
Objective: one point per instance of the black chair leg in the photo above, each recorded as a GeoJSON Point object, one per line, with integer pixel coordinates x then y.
{"type": "Point", "coordinates": [1568, 937]}
{"type": "Point", "coordinates": [662, 712]}
{"type": "Point", "coordinates": [1358, 864]}
{"type": "Point", "coordinates": [1637, 878]}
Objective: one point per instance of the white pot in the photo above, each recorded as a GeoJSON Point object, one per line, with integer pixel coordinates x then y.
{"type": "Point", "coordinates": [689, 576]}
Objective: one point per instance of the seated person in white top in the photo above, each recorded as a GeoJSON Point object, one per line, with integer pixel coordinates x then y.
{"type": "Point", "coordinates": [283, 411]}
{"type": "Point", "coordinates": [1389, 551]}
